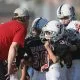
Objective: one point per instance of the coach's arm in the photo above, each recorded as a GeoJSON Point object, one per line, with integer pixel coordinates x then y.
{"type": "Point", "coordinates": [12, 54]}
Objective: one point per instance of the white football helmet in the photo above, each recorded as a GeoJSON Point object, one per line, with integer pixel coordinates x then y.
{"type": "Point", "coordinates": [51, 30]}
{"type": "Point", "coordinates": [66, 10]}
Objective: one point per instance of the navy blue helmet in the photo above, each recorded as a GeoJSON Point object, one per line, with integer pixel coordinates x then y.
{"type": "Point", "coordinates": [38, 24]}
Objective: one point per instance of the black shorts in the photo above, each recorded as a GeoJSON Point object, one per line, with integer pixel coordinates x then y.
{"type": "Point", "coordinates": [3, 70]}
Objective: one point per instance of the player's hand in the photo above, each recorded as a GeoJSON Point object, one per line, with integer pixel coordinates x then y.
{"type": "Point", "coordinates": [22, 63]}
{"type": "Point", "coordinates": [46, 44]}
{"type": "Point", "coordinates": [44, 67]}
{"type": "Point", "coordinates": [78, 27]}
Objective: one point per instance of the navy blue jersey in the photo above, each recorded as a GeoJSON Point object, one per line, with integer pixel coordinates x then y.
{"type": "Point", "coordinates": [73, 37]}
{"type": "Point", "coordinates": [62, 50]}
{"type": "Point", "coordinates": [36, 51]}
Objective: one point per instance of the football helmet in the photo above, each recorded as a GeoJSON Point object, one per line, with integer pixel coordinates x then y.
{"type": "Point", "coordinates": [51, 30]}
{"type": "Point", "coordinates": [66, 10]}
{"type": "Point", "coordinates": [38, 24]}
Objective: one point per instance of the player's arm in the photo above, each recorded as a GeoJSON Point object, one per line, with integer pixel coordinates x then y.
{"type": "Point", "coordinates": [51, 54]}
{"type": "Point", "coordinates": [25, 63]}
{"type": "Point", "coordinates": [23, 70]}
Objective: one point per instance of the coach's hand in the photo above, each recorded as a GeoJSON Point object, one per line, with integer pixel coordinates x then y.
{"type": "Point", "coordinates": [13, 69]}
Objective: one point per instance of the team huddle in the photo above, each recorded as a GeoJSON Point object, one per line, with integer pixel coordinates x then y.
{"type": "Point", "coordinates": [50, 52]}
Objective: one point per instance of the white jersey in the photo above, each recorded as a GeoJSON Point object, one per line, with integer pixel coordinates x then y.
{"type": "Point", "coordinates": [73, 24]}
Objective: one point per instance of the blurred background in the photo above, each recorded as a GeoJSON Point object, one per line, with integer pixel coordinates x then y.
{"type": "Point", "coordinates": [37, 8]}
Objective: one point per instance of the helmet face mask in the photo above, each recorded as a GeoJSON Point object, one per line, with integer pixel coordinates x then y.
{"type": "Point", "coordinates": [51, 30]}
{"type": "Point", "coordinates": [49, 34]}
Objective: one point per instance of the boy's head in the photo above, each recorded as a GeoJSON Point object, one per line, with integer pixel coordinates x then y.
{"type": "Point", "coordinates": [21, 14]}
{"type": "Point", "coordinates": [37, 26]}
{"type": "Point", "coordinates": [51, 30]}
{"type": "Point", "coordinates": [65, 13]}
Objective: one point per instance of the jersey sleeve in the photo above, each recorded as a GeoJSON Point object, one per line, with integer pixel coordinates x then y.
{"type": "Point", "coordinates": [20, 36]}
